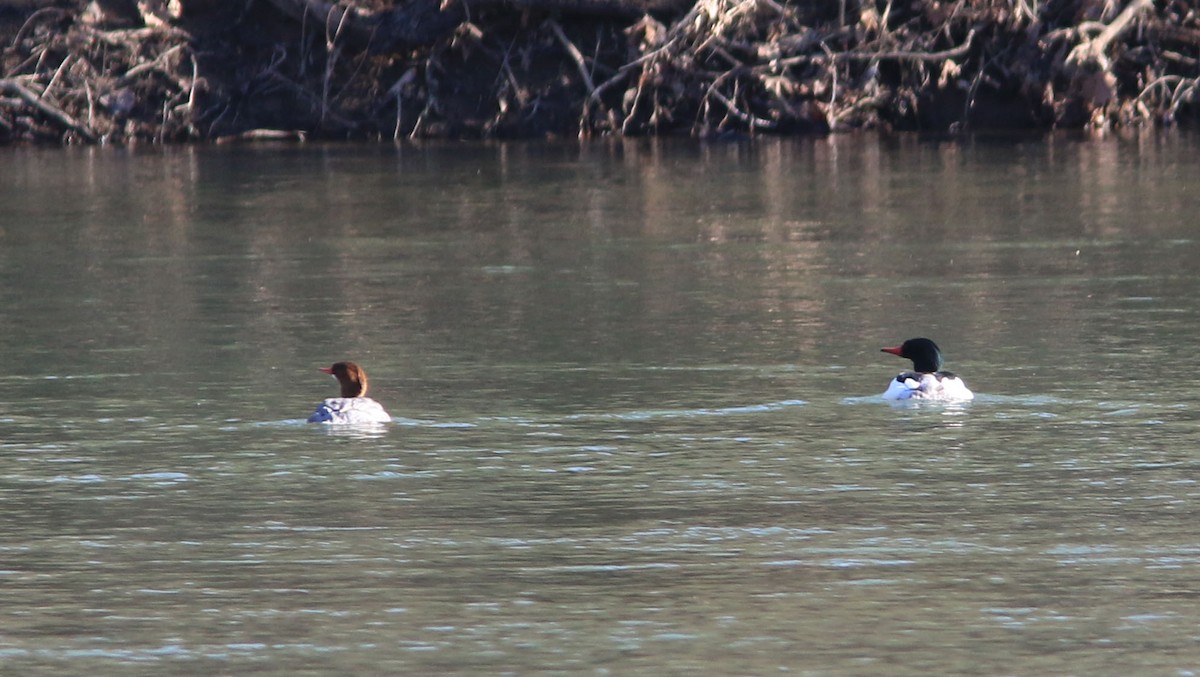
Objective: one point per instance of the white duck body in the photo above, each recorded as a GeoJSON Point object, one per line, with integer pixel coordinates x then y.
{"type": "Point", "coordinates": [941, 385]}
{"type": "Point", "coordinates": [353, 406]}
{"type": "Point", "coordinates": [350, 410]}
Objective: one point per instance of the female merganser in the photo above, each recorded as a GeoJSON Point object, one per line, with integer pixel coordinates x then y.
{"type": "Point", "coordinates": [926, 381]}
{"type": "Point", "coordinates": [353, 406]}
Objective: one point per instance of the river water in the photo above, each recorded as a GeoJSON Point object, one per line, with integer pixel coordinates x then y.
{"type": "Point", "coordinates": [637, 425]}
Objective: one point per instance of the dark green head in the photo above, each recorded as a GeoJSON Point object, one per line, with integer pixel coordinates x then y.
{"type": "Point", "coordinates": [925, 355]}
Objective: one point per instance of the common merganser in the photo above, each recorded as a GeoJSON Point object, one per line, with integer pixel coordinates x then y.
{"type": "Point", "coordinates": [926, 381]}
{"type": "Point", "coordinates": [353, 406]}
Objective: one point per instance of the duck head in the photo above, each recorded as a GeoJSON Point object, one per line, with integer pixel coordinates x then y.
{"type": "Point", "coordinates": [350, 376]}
{"type": "Point", "coordinates": [925, 355]}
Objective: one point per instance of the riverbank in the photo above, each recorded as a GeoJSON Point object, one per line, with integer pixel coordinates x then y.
{"type": "Point", "coordinates": [201, 70]}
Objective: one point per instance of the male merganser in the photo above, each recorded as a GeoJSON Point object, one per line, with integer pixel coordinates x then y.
{"type": "Point", "coordinates": [353, 406]}
{"type": "Point", "coordinates": [926, 381]}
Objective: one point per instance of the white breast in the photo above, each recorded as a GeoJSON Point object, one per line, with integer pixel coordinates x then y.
{"type": "Point", "coordinates": [350, 410]}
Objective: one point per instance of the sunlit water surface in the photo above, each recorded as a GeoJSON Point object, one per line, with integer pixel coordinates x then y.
{"type": "Point", "coordinates": [637, 425]}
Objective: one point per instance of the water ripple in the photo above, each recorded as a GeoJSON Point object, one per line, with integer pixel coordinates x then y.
{"type": "Point", "coordinates": [645, 414]}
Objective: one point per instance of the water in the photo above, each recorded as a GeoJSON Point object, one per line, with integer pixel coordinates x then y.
{"type": "Point", "coordinates": [637, 425]}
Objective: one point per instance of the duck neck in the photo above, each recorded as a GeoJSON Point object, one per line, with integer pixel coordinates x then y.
{"type": "Point", "coordinates": [927, 365]}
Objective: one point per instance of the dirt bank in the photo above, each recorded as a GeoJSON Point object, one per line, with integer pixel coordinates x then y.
{"type": "Point", "coordinates": [121, 71]}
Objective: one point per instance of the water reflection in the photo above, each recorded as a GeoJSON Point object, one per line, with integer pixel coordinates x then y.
{"type": "Point", "coordinates": [824, 226]}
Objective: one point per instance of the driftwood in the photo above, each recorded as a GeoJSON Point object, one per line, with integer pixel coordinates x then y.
{"type": "Point", "coordinates": [153, 70]}
{"type": "Point", "coordinates": [1092, 51]}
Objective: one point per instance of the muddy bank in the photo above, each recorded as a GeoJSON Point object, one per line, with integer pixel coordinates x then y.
{"type": "Point", "coordinates": [120, 71]}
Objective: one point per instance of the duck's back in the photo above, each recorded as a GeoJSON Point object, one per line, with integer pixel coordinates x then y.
{"type": "Point", "coordinates": [350, 410]}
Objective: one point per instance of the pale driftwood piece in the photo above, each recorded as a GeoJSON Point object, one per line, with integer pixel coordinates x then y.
{"type": "Point", "coordinates": [126, 37]}
{"type": "Point", "coordinates": [900, 55]}
{"type": "Point", "coordinates": [751, 121]}
{"type": "Point", "coordinates": [575, 55]}
{"type": "Point", "coordinates": [265, 135]}
{"type": "Point", "coordinates": [1092, 51]}
{"type": "Point", "coordinates": [45, 12]}
{"type": "Point", "coordinates": [905, 55]}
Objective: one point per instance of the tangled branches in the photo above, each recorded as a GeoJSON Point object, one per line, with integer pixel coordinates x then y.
{"type": "Point", "coordinates": [420, 68]}
{"type": "Point", "coordinates": [71, 82]}
{"type": "Point", "coordinates": [757, 65]}
{"type": "Point", "coordinates": [766, 66]}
